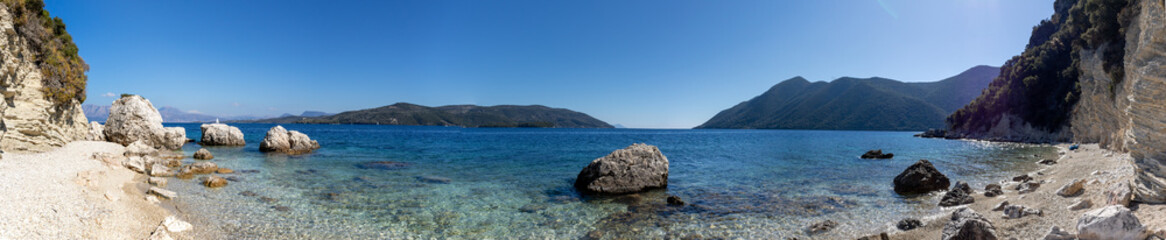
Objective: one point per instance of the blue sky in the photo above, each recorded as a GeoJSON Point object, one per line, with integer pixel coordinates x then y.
{"type": "Point", "coordinates": [652, 64]}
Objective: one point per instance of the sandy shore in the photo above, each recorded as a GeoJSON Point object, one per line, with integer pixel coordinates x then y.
{"type": "Point", "coordinates": [66, 193]}
{"type": "Point", "coordinates": [1099, 167]}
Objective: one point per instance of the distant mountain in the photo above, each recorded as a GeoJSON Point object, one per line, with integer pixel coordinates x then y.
{"type": "Point", "coordinates": [456, 115]}
{"type": "Point", "coordinates": [169, 114]}
{"type": "Point", "coordinates": [617, 125]}
{"type": "Point", "coordinates": [856, 104]}
{"type": "Point", "coordinates": [314, 114]}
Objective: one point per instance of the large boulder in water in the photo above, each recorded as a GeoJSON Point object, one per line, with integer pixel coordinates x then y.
{"type": "Point", "coordinates": [966, 224]}
{"type": "Point", "coordinates": [632, 169]}
{"type": "Point", "coordinates": [133, 118]}
{"type": "Point", "coordinates": [921, 177]}
{"type": "Point", "coordinates": [279, 139]}
{"type": "Point", "coordinates": [218, 134]}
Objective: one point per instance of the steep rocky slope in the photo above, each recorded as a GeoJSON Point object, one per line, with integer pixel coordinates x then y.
{"type": "Point", "coordinates": [1118, 95]}
{"type": "Point", "coordinates": [29, 120]}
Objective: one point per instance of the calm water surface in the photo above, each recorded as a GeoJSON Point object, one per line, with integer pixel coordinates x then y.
{"type": "Point", "coordinates": [517, 183]}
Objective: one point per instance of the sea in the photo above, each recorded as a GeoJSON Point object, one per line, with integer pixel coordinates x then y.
{"type": "Point", "coordinates": [429, 182]}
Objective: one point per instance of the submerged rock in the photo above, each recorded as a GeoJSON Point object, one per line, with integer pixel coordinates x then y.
{"type": "Point", "coordinates": [434, 179]}
{"type": "Point", "coordinates": [877, 154]}
{"type": "Point", "coordinates": [279, 139]}
{"type": "Point", "coordinates": [966, 224]}
{"type": "Point", "coordinates": [633, 169]}
{"type": "Point", "coordinates": [960, 194]}
{"type": "Point", "coordinates": [921, 177]}
{"type": "Point", "coordinates": [821, 227]}
{"type": "Point", "coordinates": [200, 168]}
{"type": "Point", "coordinates": [218, 134]}
{"type": "Point", "coordinates": [1112, 222]}
{"type": "Point", "coordinates": [382, 165]}
{"type": "Point", "coordinates": [203, 154]}
{"type": "Point", "coordinates": [675, 201]}
{"type": "Point", "coordinates": [214, 181]}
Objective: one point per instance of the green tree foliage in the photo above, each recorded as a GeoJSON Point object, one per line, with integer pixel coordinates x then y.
{"type": "Point", "coordinates": [54, 51]}
{"type": "Point", "coordinates": [1040, 85]}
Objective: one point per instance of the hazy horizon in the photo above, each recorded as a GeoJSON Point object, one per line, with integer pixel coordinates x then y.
{"type": "Point", "coordinates": [645, 64]}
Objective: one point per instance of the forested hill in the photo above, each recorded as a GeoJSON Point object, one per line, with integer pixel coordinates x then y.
{"type": "Point", "coordinates": [456, 115]}
{"type": "Point", "coordinates": [856, 104]}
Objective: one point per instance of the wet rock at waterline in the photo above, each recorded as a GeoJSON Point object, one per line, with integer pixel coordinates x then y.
{"type": "Point", "coordinates": [877, 154]}
{"type": "Point", "coordinates": [921, 177]}
{"type": "Point", "coordinates": [908, 224]}
{"type": "Point", "coordinates": [636, 168]}
{"type": "Point", "coordinates": [960, 194]}
{"type": "Point", "coordinates": [993, 190]}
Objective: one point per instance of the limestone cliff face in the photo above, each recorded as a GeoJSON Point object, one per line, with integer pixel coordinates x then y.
{"type": "Point", "coordinates": [28, 121]}
{"type": "Point", "coordinates": [1133, 118]}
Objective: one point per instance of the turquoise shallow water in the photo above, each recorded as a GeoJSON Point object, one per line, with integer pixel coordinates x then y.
{"type": "Point", "coordinates": [517, 183]}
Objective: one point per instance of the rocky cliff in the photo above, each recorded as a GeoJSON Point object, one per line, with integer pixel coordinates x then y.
{"type": "Point", "coordinates": [1132, 116]}
{"type": "Point", "coordinates": [29, 120]}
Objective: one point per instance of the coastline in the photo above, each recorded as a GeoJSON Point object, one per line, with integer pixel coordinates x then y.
{"type": "Point", "coordinates": [1100, 168]}
{"type": "Point", "coordinates": [68, 193]}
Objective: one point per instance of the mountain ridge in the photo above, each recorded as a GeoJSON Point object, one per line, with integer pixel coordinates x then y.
{"type": "Point", "coordinates": [403, 113]}
{"type": "Point", "coordinates": [850, 103]}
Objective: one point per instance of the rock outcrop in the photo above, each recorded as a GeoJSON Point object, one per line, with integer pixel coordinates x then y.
{"type": "Point", "coordinates": [966, 224]}
{"type": "Point", "coordinates": [96, 132]}
{"type": "Point", "coordinates": [133, 118]}
{"type": "Point", "coordinates": [29, 122]}
{"type": "Point", "coordinates": [279, 139]}
{"type": "Point", "coordinates": [218, 134]}
{"type": "Point", "coordinates": [1112, 222]}
{"type": "Point", "coordinates": [921, 177]}
{"type": "Point", "coordinates": [635, 168]}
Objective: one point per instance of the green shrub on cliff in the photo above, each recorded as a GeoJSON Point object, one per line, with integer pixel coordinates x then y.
{"type": "Point", "coordinates": [53, 48]}
{"type": "Point", "coordinates": [1040, 85]}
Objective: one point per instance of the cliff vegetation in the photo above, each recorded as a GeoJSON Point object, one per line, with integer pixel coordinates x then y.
{"type": "Point", "coordinates": [53, 50]}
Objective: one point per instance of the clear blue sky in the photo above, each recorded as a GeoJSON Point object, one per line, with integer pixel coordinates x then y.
{"type": "Point", "coordinates": [655, 64]}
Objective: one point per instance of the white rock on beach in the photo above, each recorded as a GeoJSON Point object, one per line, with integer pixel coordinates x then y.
{"type": "Point", "coordinates": [96, 132]}
{"type": "Point", "coordinates": [1056, 233]}
{"type": "Point", "coordinates": [160, 233]}
{"type": "Point", "coordinates": [133, 118]}
{"type": "Point", "coordinates": [218, 134]}
{"type": "Point", "coordinates": [1112, 222]}
{"type": "Point", "coordinates": [167, 194]}
{"type": "Point", "coordinates": [174, 225]}
{"type": "Point", "coordinates": [1072, 189]}
{"type": "Point", "coordinates": [140, 148]}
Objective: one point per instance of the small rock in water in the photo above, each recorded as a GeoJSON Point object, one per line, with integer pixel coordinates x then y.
{"type": "Point", "coordinates": [1048, 162]}
{"type": "Point", "coordinates": [1056, 233]}
{"type": "Point", "coordinates": [382, 165]}
{"type": "Point", "coordinates": [993, 190]}
{"type": "Point", "coordinates": [1019, 211]}
{"type": "Point", "coordinates": [675, 201]}
{"type": "Point", "coordinates": [267, 200]}
{"type": "Point", "coordinates": [214, 181]}
{"type": "Point", "coordinates": [1074, 188]}
{"type": "Point", "coordinates": [234, 178]}
{"type": "Point", "coordinates": [921, 177]}
{"type": "Point", "coordinates": [960, 194]}
{"type": "Point", "coordinates": [1083, 204]}
{"type": "Point", "coordinates": [434, 179]}
{"type": "Point", "coordinates": [532, 208]}
{"type": "Point", "coordinates": [281, 208]}
{"type": "Point", "coordinates": [908, 224]}
{"type": "Point", "coordinates": [877, 154]}
{"type": "Point", "coordinates": [203, 154]}
{"type": "Point", "coordinates": [248, 171]}
{"type": "Point", "coordinates": [248, 194]}
{"type": "Point", "coordinates": [1022, 178]}
{"type": "Point", "coordinates": [1001, 206]}
{"type": "Point", "coordinates": [821, 227]}
{"type": "Point", "coordinates": [223, 170]}
{"type": "Point", "coordinates": [595, 235]}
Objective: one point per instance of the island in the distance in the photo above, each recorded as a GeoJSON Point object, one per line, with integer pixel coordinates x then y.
{"type": "Point", "coordinates": [510, 116]}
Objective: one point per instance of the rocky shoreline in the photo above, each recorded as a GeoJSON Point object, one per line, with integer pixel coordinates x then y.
{"type": "Point", "coordinates": [1054, 201]}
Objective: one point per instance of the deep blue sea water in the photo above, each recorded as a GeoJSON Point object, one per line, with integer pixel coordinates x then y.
{"type": "Point", "coordinates": [517, 183]}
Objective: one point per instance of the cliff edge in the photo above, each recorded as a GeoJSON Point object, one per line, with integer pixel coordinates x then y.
{"type": "Point", "coordinates": [32, 117]}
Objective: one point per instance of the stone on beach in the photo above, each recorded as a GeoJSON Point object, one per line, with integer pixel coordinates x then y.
{"type": "Point", "coordinates": [140, 148]}
{"type": "Point", "coordinates": [1027, 187]}
{"type": "Point", "coordinates": [218, 134]}
{"type": "Point", "coordinates": [966, 224]}
{"type": "Point", "coordinates": [636, 168]}
{"type": "Point", "coordinates": [959, 194]}
{"type": "Point", "coordinates": [921, 177]}
{"type": "Point", "coordinates": [160, 233]}
{"type": "Point", "coordinates": [877, 154]}
{"type": "Point", "coordinates": [279, 139]}
{"type": "Point", "coordinates": [1056, 233]}
{"type": "Point", "coordinates": [1019, 211]}
{"type": "Point", "coordinates": [1112, 222]}
{"type": "Point", "coordinates": [203, 154]}
{"type": "Point", "coordinates": [1000, 206]}
{"type": "Point", "coordinates": [1022, 178]}
{"type": "Point", "coordinates": [133, 118]}
{"type": "Point", "coordinates": [1082, 204]}
{"type": "Point", "coordinates": [993, 190]}
{"type": "Point", "coordinates": [173, 224]}
{"type": "Point", "coordinates": [909, 224]}
{"type": "Point", "coordinates": [160, 170]}
{"type": "Point", "coordinates": [157, 181]}
{"type": "Point", "coordinates": [1119, 194]}
{"type": "Point", "coordinates": [1072, 189]}
{"type": "Point", "coordinates": [167, 194]}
